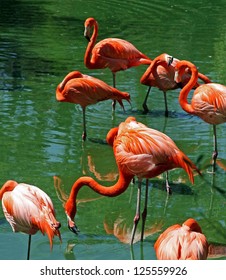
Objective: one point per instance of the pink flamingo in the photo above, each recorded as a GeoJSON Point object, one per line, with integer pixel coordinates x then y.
{"type": "Point", "coordinates": [141, 152]}
{"type": "Point", "coordinates": [113, 53]}
{"type": "Point", "coordinates": [186, 242]}
{"type": "Point", "coordinates": [86, 90]}
{"type": "Point", "coordinates": [160, 73]}
{"type": "Point", "coordinates": [208, 101]}
{"type": "Point", "coordinates": [28, 209]}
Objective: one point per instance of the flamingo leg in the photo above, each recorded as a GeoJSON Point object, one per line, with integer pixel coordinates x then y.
{"type": "Point", "coordinates": [215, 152]}
{"type": "Point", "coordinates": [144, 213]}
{"type": "Point", "coordinates": [137, 215]}
{"type": "Point", "coordinates": [84, 134]}
{"type": "Point", "coordinates": [166, 105]}
{"type": "Point", "coordinates": [29, 247]}
{"type": "Point", "coordinates": [145, 100]}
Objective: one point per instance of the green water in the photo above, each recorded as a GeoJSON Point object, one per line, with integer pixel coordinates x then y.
{"type": "Point", "coordinates": [40, 43]}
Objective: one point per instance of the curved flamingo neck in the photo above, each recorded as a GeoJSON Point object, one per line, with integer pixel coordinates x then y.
{"type": "Point", "coordinates": [70, 76]}
{"type": "Point", "coordinates": [88, 53]}
{"type": "Point", "coordinates": [119, 187]}
{"type": "Point", "coordinates": [193, 225]}
{"type": "Point", "coordinates": [151, 69]}
{"type": "Point", "coordinates": [188, 87]}
{"type": "Point", "coordinates": [8, 187]}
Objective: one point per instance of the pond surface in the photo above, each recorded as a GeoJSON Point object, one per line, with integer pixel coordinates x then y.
{"type": "Point", "coordinates": [41, 138]}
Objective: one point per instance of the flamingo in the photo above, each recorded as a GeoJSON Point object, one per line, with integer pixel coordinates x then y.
{"type": "Point", "coordinates": [160, 73]}
{"type": "Point", "coordinates": [28, 209]}
{"type": "Point", "coordinates": [139, 151]}
{"type": "Point", "coordinates": [208, 101]}
{"type": "Point", "coordinates": [113, 53]}
{"type": "Point", "coordinates": [186, 242]}
{"type": "Point", "coordinates": [86, 90]}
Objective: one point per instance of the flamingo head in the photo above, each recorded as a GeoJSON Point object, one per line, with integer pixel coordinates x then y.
{"type": "Point", "coordinates": [70, 211]}
{"type": "Point", "coordinates": [89, 23]}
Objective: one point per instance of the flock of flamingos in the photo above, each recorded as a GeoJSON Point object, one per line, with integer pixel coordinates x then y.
{"type": "Point", "coordinates": [139, 151]}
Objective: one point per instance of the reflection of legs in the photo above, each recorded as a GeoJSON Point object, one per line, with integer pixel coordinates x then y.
{"type": "Point", "coordinates": [144, 214]}
{"type": "Point", "coordinates": [114, 85]}
{"type": "Point", "coordinates": [137, 216]}
{"type": "Point", "coordinates": [168, 189]}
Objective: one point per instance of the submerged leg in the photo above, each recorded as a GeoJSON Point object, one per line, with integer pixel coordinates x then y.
{"type": "Point", "coordinates": [166, 106]}
{"type": "Point", "coordinates": [144, 213]}
{"type": "Point", "coordinates": [137, 215]}
{"type": "Point", "coordinates": [145, 100]}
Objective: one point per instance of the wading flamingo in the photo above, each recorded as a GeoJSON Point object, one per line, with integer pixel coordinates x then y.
{"type": "Point", "coordinates": [186, 242]}
{"type": "Point", "coordinates": [28, 209]}
{"type": "Point", "coordinates": [141, 152]}
{"type": "Point", "coordinates": [86, 90]}
{"type": "Point", "coordinates": [113, 53]}
{"type": "Point", "coordinates": [161, 74]}
{"type": "Point", "coordinates": [208, 101]}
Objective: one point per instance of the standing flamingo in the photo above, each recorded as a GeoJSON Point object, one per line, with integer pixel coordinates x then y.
{"type": "Point", "coordinates": [186, 242]}
{"type": "Point", "coordinates": [141, 152]}
{"type": "Point", "coordinates": [86, 90]}
{"type": "Point", "coordinates": [29, 209]}
{"type": "Point", "coordinates": [161, 74]}
{"type": "Point", "coordinates": [113, 53]}
{"type": "Point", "coordinates": [208, 101]}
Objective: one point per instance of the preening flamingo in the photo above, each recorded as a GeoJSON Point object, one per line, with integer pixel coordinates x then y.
{"type": "Point", "coordinates": [139, 151]}
{"type": "Point", "coordinates": [28, 209]}
{"type": "Point", "coordinates": [113, 53]}
{"type": "Point", "coordinates": [160, 73]}
{"type": "Point", "coordinates": [186, 242]}
{"type": "Point", "coordinates": [86, 90]}
{"type": "Point", "coordinates": [208, 101]}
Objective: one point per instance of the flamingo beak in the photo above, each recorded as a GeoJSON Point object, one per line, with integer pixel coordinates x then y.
{"type": "Point", "coordinates": [87, 37]}
{"type": "Point", "coordinates": [72, 227]}
{"type": "Point", "coordinates": [87, 33]}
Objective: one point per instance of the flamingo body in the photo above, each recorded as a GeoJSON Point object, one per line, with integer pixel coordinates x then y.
{"type": "Point", "coordinates": [28, 209]}
{"type": "Point", "coordinates": [85, 90]}
{"type": "Point", "coordinates": [113, 53]}
{"type": "Point", "coordinates": [186, 242]}
{"type": "Point", "coordinates": [209, 103]}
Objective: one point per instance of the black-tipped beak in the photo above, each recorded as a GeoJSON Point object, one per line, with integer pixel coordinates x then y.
{"type": "Point", "coordinates": [74, 229]}
{"type": "Point", "coordinates": [170, 60]}
{"type": "Point", "coordinates": [87, 37]}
